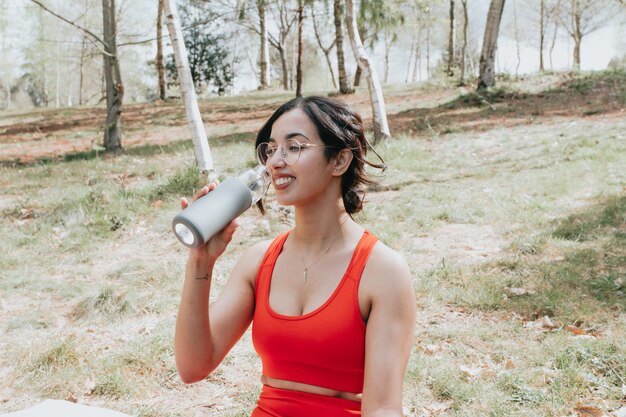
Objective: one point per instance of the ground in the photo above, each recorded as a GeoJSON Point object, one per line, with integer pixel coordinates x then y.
{"type": "Point", "coordinates": [505, 203]}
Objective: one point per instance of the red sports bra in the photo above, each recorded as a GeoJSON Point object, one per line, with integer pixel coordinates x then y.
{"type": "Point", "coordinates": [325, 347]}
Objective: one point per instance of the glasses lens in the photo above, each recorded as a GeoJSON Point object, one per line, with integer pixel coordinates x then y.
{"type": "Point", "coordinates": [263, 153]}
{"type": "Point", "coordinates": [291, 151]}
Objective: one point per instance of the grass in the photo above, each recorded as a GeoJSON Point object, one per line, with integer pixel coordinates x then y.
{"type": "Point", "coordinates": [501, 227]}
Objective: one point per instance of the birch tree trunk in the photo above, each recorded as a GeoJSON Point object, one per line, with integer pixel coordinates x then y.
{"type": "Point", "coordinates": [265, 48]}
{"type": "Point", "coordinates": [344, 88]}
{"type": "Point", "coordinates": [113, 79]}
{"type": "Point", "coordinates": [187, 91]}
{"type": "Point", "coordinates": [381, 127]}
{"type": "Point", "coordinates": [159, 55]}
{"type": "Point", "coordinates": [464, 47]}
{"type": "Point", "coordinates": [542, 32]}
{"type": "Point", "coordinates": [487, 76]}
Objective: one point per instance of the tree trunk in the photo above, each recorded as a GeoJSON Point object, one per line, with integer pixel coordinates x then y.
{"type": "Point", "coordinates": [299, 64]}
{"type": "Point", "coordinates": [428, 46]}
{"type": "Point", "coordinates": [344, 88]}
{"type": "Point", "coordinates": [487, 76]}
{"type": "Point", "coordinates": [555, 13]}
{"type": "Point", "coordinates": [464, 47]}
{"type": "Point", "coordinates": [81, 74]}
{"type": "Point", "coordinates": [357, 76]}
{"type": "Point", "coordinates": [381, 127]}
{"type": "Point", "coordinates": [282, 53]}
{"type": "Point", "coordinates": [387, 48]}
{"type": "Point", "coordinates": [357, 73]}
{"type": "Point", "coordinates": [578, 36]}
{"type": "Point", "coordinates": [450, 62]}
{"type": "Point", "coordinates": [517, 40]}
{"type": "Point", "coordinates": [417, 67]}
{"type": "Point", "coordinates": [265, 48]}
{"type": "Point", "coordinates": [542, 32]}
{"type": "Point", "coordinates": [409, 62]}
{"type": "Point", "coordinates": [187, 91]}
{"type": "Point", "coordinates": [159, 55]}
{"type": "Point", "coordinates": [114, 85]}
{"type": "Point", "coordinates": [325, 50]}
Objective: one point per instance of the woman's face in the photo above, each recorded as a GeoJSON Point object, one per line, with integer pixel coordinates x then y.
{"type": "Point", "coordinates": [300, 182]}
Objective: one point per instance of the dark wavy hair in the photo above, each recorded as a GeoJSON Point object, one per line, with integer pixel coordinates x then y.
{"type": "Point", "coordinates": [339, 127]}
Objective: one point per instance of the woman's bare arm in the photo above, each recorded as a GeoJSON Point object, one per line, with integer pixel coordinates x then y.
{"type": "Point", "coordinates": [388, 287]}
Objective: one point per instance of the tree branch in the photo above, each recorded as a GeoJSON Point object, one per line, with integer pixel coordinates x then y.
{"type": "Point", "coordinates": [79, 27]}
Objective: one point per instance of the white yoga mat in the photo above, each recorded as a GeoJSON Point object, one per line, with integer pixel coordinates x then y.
{"type": "Point", "coordinates": [59, 408]}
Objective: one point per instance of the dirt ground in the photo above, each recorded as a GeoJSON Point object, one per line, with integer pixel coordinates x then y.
{"type": "Point", "coordinates": [54, 133]}
{"type": "Point", "coordinates": [424, 113]}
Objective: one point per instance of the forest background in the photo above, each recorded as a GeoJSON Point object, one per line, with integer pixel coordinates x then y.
{"type": "Point", "coordinates": [508, 202]}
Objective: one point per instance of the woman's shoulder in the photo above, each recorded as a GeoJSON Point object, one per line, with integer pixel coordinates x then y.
{"type": "Point", "coordinates": [386, 267]}
{"type": "Point", "coordinates": [251, 258]}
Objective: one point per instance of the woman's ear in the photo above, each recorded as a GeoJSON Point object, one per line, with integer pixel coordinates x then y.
{"type": "Point", "coordinates": [342, 162]}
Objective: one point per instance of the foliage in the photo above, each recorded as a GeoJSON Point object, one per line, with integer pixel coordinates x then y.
{"type": "Point", "coordinates": [209, 60]}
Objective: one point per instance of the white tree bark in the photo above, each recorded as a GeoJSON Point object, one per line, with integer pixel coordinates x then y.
{"type": "Point", "coordinates": [381, 127]}
{"type": "Point", "coordinates": [188, 92]}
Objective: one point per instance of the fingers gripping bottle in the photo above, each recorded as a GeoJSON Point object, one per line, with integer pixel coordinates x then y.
{"type": "Point", "coordinates": [211, 213]}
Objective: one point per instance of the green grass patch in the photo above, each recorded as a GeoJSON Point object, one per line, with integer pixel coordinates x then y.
{"type": "Point", "coordinates": [107, 303]}
{"type": "Point", "coordinates": [610, 213]}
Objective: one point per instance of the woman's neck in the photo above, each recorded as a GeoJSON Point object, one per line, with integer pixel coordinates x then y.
{"type": "Point", "coordinates": [317, 225]}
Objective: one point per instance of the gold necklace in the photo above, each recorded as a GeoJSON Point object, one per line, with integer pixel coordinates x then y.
{"type": "Point", "coordinates": [305, 272]}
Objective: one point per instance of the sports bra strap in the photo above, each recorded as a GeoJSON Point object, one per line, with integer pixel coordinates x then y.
{"type": "Point", "coordinates": [361, 254]}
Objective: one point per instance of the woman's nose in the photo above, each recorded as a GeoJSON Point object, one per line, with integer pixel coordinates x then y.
{"type": "Point", "coordinates": [277, 160]}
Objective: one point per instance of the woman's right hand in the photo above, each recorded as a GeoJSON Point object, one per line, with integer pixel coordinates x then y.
{"type": "Point", "coordinates": [216, 246]}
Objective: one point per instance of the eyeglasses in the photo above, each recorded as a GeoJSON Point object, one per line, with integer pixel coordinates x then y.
{"type": "Point", "coordinates": [290, 151]}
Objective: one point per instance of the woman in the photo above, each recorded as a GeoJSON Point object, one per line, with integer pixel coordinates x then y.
{"type": "Point", "coordinates": [332, 308]}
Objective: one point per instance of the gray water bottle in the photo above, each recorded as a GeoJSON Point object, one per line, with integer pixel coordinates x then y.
{"type": "Point", "coordinates": [211, 213]}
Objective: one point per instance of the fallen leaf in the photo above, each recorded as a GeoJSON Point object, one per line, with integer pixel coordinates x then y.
{"type": "Point", "coordinates": [587, 411]}
{"type": "Point", "coordinates": [576, 330]}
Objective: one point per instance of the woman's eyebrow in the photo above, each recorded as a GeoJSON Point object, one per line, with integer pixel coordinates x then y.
{"type": "Point", "coordinates": [291, 135]}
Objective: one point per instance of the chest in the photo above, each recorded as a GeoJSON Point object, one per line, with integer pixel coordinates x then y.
{"type": "Point", "coordinates": [297, 290]}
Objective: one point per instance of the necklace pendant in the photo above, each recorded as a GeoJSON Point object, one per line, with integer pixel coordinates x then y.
{"type": "Point", "coordinates": [305, 274]}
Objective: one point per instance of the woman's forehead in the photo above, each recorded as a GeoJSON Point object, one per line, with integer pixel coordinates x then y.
{"type": "Point", "coordinates": [294, 122]}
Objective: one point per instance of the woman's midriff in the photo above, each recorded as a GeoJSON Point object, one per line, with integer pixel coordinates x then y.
{"type": "Point", "coordinates": [311, 389]}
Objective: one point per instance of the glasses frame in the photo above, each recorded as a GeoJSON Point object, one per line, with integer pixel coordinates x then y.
{"type": "Point", "coordinates": [281, 150]}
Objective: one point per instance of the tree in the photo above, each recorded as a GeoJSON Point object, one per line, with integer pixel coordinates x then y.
{"type": "Point", "coordinates": [113, 80]}
{"type": "Point", "coordinates": [582, 17]}
{"type": "Point", "coordinates": [325, 49]}
{"type": "Point", "coordinates": [194, 119]}
{"type": "Point", "coordinates": [299, 65]}
{"type": "Point", "coordinates": [487, 76]}
{"type": "Point", "coordinates": [114, 85]}
{"type": "Point", "coordinates": [374, 17]}
{"type": "Point", "coordinates": [284, 22]}
{"type": "Point", "coordinates": [344, 88]}
{"type": "Point", "coordinates": [464, 47]}
{"type": "Point", "coordinates": [159, 55]}
{"type": "Point", "coordinates": [381, 127]}
{"type": "Point", "coordinates": [207, 57]}
{"type": "Point", "coordinates": [265, 50]}
{"type": "Point", "coordinates": [451, 36]}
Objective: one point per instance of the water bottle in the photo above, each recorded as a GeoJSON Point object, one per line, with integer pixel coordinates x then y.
{"type": "Point", "coordinates": [212, 212]}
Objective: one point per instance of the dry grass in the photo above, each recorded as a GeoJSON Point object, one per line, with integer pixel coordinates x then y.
{"type": "Point", "coordinates": [514, 232]}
